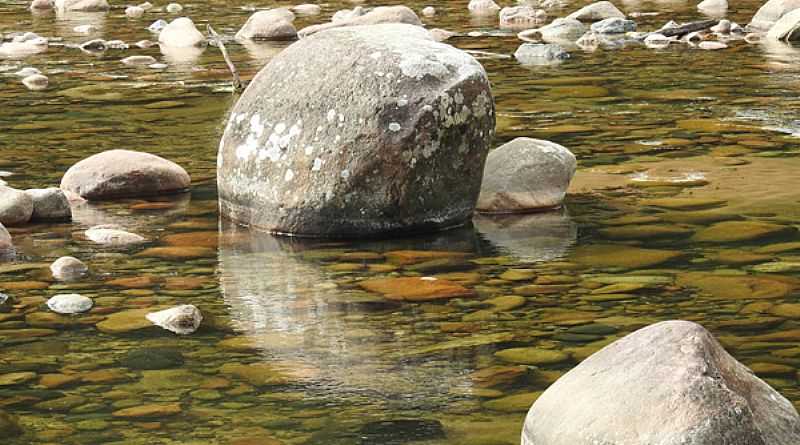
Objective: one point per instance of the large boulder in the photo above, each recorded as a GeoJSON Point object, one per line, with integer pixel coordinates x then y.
{"type": "Point", "coordinates": [526, 175]}
{"type": "Point", "coordinates": [379, 15]}
{"type": "Point", "coordinates": [786, 28]}
{"type": "Point", "coordinates": [181, 33]}
{"type": "Point", "coordinates": [384, 130]}
{"type": "Point", "coordinates": [597, 11]}
{"type": "Point", "coordinates": [124, 174]}
{"type": "Point", "coordinates": [670, 383]}
{"type": "Point", "coordinates": [16, 207]}
{"type": "Point", "coordinates": [770, 13]}
{"type": "Point", "coordinates": [50, 204]}
{"type": "Point", "coordinates": [272, 24]}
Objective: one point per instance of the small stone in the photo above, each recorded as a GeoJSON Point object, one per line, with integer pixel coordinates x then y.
{"type": "Point", "coordinates": [597, 11]}
{"type": "Point", "coordinates": [307, 9]}
{"type": "Point", "coordinates": [41, 5]}
{"type": "Point", "coordinates": [16, 207]}
{"type": "Point", "coordinates": [711, 46]}
{"type": "Point", "coordinates": [6, 303]}
{"type": "Point", "coordinates": [149, 411]}
{"type": "Point", "coordinates": [16, 378]}
{"type": "Point", "coordinates": [96, 45]}
{"type": "Point", "coordinates": [741, 231]}
{"type": "Point", "coordinates": [723, 27]}
{"type": "Point", "coordinates": [134, 12]}
{"type": "Point", "coordinates": [6, 243]}
{"type": "Point", "coordinates": [153, 358]}
{"type": "Point", "coordinates": [69, 304]}
{"type": "Point", "coordinates": [713, 6]}
{"type": "Point", "coordinates": [82, 5]}
{"type": "Point", "coordinates": [628, 257]}
{"type": "Point", "coordinates": [27, 71]}
{"type": "Point", "coordinates": [181, 320]}
{"type": "Point", "coordinates": [144, 44]}
{"type": "Point", "coordinates": [124, 322]}
{"type": "Point", "coordinates": [61, 404]}
{"type": "Point", "coordinates": [540, 54]}
{"type": "Point", "coordinates": [521, 17]}
{"type": "Point", "coordinates": [113, 236]}
{"type": "Point", "coordinates": [174, 8]}
{"type": "Point", "coordinates": [68, 268]}
{"type": "Point", "coordinates": [429, 11]}
{"type": "Point", "coordinates": [85, 29]}
{"type": "Point", "coordinates": [483, 7]}
{"type": "Point", "coordinates": [36, 82]}
{"type": "Point", "coordinates": [272, 24]}
{"type": "Point", "coordinates": [139, 60]}
{"type": "Point", "coordinates": [514, 403]}
{"type": "Point", "coordinates": [416, 289]}
{"type": "Point", "coordinates": [50, 204]}
{"type": "Point", "coordinates": [181, 33]}
{"type": "Point", "coordinates": [614, 25]}
{"type": "Point", "coordinates": [158, 25]}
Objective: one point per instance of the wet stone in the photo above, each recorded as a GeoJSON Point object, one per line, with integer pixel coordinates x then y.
{"type": "Point", "coordinates": [416, 289]}
{"type": "Point", "coordinates": [152, 358]}
{"type": "Point", "coordinates": [741, 231]}
{"type": "Point", "coordinates": [532, 356]}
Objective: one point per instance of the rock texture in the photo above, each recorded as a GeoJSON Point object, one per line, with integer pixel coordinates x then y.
{"type": "Point", "coordinates": [16, 207]}
{"type": "Point", "coordinates": [667, 384]}
{"type": "Point", "coordinates": [69, 304]}
{"type": "Point", "coordinates": [50, 204]}
{"type": "Point", "coordinates": [770, 13]}
{"type": "Point", "coordinates": [385, 130]}
{"type": "Point", "coordinates": [379, 15]}
{"type": "Point", "coordinates": [786, 28]}
{"type": "Point", "coordinates": [526, 175]}
{"type": "Point", "coordinates": [124, 174]}
{"type": "Point", "coordinates": [68, 268]}
{"type": "Point", "coordinates": [273, 24]}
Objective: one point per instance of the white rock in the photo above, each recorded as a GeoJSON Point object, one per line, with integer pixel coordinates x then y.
{"type": "Point", "coordinates": [27, 71]}
{"type": "Point", "coordinates": [657, 41]}
{"type": "Point", "coordinates": [117, 44]}
{"type": "Point", "coordinates": [521, 17]}
{"type": "Point", "coordinates": [24, 48]}
{"type": "Point", "coordinates": [111, 235]}
{"type": "Point", "coordinates": [144, 44]}
{"type": "Point", "coordinates": [82, 5]}
{"type": "Point", "coordinates": [181, 320]}
{"type": "Point", "coordinates": [483, 7]}
{"type": "Point", "coordinates": [134, 12]}
{"type": "Point", "coordinates": [669, 25]}
{"type": "Point", "coordinates": [16, 207]}
{"type": "Point", "coordinates": [710, 45]}
{"type": "Point", "coordinates": [307, 9]}
{"type": "Point", "coordinates": [770, 13]}
{"type": "Point", "coordinates": [272, 24]}
{"type": "Point", "coordinates": [754, 37]}
{"type": "Point", "coordinates": [36, 82]}
{"type": "Point", "coordinates": [68, 268]}
{"type": "Point", "coordinates": [429, 11]}
{"type": "Point", "coordinates": [174, 8]}
{"type": "Point", "coordinates": [589, 41]}
{"type": "Point", "coordinates": [158, 25]}
{"type": "Point", "coordinates": [181, 33]}
{"type": "Point", "coordinates": [347, 14]}
{"type": "Point", "coordinates": [713, 5]}
{"type": "Point", "coordinates": [693, 37]}
{"type": "Point", "coordinates": [41, 5]}
{"type": "Point", "coordinates": [723, 27]}
{"type": "Point", "coordinates": [524, 175]}
{"type": "Point", "coordinates": [560, 30]}
{"type": "Point", "coordinates": [540, 54]}
{"type": "Point", "coordinates": [6, 243]}
{"type": "Point", "coordinates": [597, 11]}
{"type": "Point", "coordinates": [139, 60]}
{"type": "Point", "coordinates": [158, 66]}
{"type": "Point", "coordinates": [440, 35]}
{"type": "Point", "coordinates": [146, 6]}
{"type": "Point", "coordinates": [69, 304]}
{"type": "Point", "coordinates": [786, 28]}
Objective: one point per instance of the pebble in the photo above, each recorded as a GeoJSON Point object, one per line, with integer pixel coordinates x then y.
{"type": "Point", "coordinates": [68, 268]}
{"type": "Point", "coordinates": [36, 82]}
{"type": "Point", "coordinates": [27, 71]}
{"type": "Point", "coordinates": [174, 8]}
{"type": "Point", "coordinates": [182, 320]}
{"type": "Point", "coordinates": [69, 304]}
{"type": "Point", "coordinates": [139, 60]}
{"type": "Point", "coordinates": [157, 26]}
{"type": "Point", "coordinates": [144, 44]}
{"type": "Point", "coordinates": [307, 9]}
{"type": "Point", "coordinates": [134, 12]}
{"type": "Point", "coordinates": [158, 66]}
{"type": "Point", "coordinates": [112, 235]}
{"type": "Point", "coordinates": [85, 29]}
{"type": "Point", "coordinates": [429, 11]}
{"type": "Point", "coordinates": [95, 45]}
{"type": "Point", "coordinates": [712, 45]}
{"type": "Point", "coordinates": [146, 6]}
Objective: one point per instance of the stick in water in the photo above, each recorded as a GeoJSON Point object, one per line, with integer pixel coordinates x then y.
{"type": "Point", "coordinates": [237, 83]}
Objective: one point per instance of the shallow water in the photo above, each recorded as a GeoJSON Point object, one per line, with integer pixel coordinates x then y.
{"type": "Point", "coordinates": [681, 153]}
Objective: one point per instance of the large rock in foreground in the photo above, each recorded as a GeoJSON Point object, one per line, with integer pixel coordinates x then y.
{"type": "Point", "coordinates": [667, 384]}
{"type": "Point", "coordinates": [526, 175]}
{"type": "Point", "coordinates": [124, 174]}
{"type": "Point", "coordinates": [384, 130]}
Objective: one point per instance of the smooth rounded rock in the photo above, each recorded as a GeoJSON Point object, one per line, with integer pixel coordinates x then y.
{"type": "Point", "coordinates": [50, 204]}
{"type": "Point", "coordinates": [786, 28]}
{"type": "Point", "coordinates": [560, 30]}
{"type": "Point", "coordinates": [113, 236]}
{"type": "Point", "coordinates": [181, 320]}
{"type": "Point", "coordinates": [16, 207]}
{"type": "Point", "coordinates": [139, 60]}
{"type": "Point", "coordinates": [307, 9]}
{"type": "Point", "coordinates": [614, 25]}
{"type": "Point", "coordinates": [483, 7]}
{"type": "Point", "coordinates": [6, 244]}
{"type": "Point", "coordinates": [273, 24]}
{"type": "Point", "coordinates": [134, 12]}
{"type": "Point", "coordinates": [377, 16]}
{"type": "Point", "coordinates": [314, 148]}
{"type": "Point", "coordinates": [70, 304]}
{"type": "Point", "coordinates": [521, 17]}
{"type": "Point", "coordinates": [124, 174]}
{"type": "Point", "coordinates": [68, 268]}
{"type": "Point", "coordinates": [540, 54]}
{"type": "Point", "coordinates": [597, 11]}
{"type": "Point", "coordinates": [181, 33]}
{"type": "Point", "coordinates": [526, 175]}
{"type": "Point", "coordinates": [174, 8]}
{"type": "Point", "coordinates": [36, 82]}
{"type": "Point", "coordinates": [429, 11]}
{"type": "Point", "coordinates": [630, 391]}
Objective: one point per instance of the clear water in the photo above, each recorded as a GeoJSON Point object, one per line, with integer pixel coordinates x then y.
{"type": "Point", "coordinates": [293, 349]}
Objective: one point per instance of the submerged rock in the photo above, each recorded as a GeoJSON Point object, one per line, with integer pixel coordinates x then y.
{"type": "Point", "coordinates": [181, 33]}
{"type": "Point", "coordinates": [69, 304]}
{"type": "Point", "coordinates": [614, 25]}
{"type": "Point", "coordinates": [540, 54]}
{"type": "Point", "coordinates": [526, 175]}
{"type": "Point", "coordinates": [560, 30]}
{"type": "Point", "coordinates": [597, 11]}
{"type": "Point", "coordinates": [82, 5]}
{"type": "Point", "coordinates": [183, 320]}
{"type": "Point", "coordinates": [521, 17]}
{"type": "Point", "coordinates": [113, 236]}
{"type": "Point", "coordinates": [770, 13]}
{"type": "Point", "coordinates": [786, 28]}
{"type": "Point", "coordinates": [124, 174]}
{"type": "Point", "coordinates": [629, 392]}
{"type": "Point", "coordinates": [25, 48]}
{"type": "Point", "coordinates": [134, 12]}
{"type": "Point", "coordinates": [273, 24]}
{"type": "Point", "coordinates": [16, 207]}
{"type": "Point", "coordinates": [416, 289]}
{"type": "Point", "coordinates": [486, 7]}
{"type": "Point", "coordinates": [36, 82]}
{"type": "Point", "coordinates": [68, 268]}
{"type": "Point", "coordinates": [9, 427]}
{"type": "Point", "coordinates": [335, 153]}
{"type": "Point", "coordinates": [50, 204]}
{"type": "Point", "coordinates": [379, 15]}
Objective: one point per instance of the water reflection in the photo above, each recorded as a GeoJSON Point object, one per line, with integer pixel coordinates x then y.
{"type": "Point", "coordinates": [529, 238]}
{"type": "Point", "coordinates": [184, 58]}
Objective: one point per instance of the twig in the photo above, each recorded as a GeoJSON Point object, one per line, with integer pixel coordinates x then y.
{"type": "Point", "coordinates": [237, 82]}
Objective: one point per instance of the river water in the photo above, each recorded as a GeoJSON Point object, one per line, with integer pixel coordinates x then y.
{"type": "Point", "coordinates": [684, 207]}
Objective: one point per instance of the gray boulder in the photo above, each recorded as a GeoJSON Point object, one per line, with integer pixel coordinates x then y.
{"type": "Point", "coordinates": [597, 11]}
{"type": "Point", "coordinates": [379, 15]}
{"type": "Point", "coordinates": [560, 30]}
{"type": "Point", "coordinates": [68, 268]}
{"type": "Point", "coordinates": [786, 28]}
{"type": "Point", "coordinates": [614, 25]}
{"type": "Point", "coordinates": [670, 383]}
{"type": "Point", "coordinates": [273, 24]}
{"type": "Point", "coordinates": [16, 207]}
{"type": "Point", "coordinates": [181, 33]}
{"type": "Point", "coordinates": [540, 54]}
{"type": "Point", "coordinates": [124, 174]}
{"type": "Point", "coordinates": [6, 243]}
{"type": "Point", "coordinates": [50, 204]}
{"type": "Point", "coordinates": [384, 130]}
{"type": "Point", "coordinates": [526, 175]}
{"type": "Point", "coordinates": [770, 13]}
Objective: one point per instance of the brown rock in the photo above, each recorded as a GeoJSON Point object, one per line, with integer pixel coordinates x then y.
{"type": "Point", "coordinates": [416, 288]}
{"type": "Point", "coordinates": [149, 411]}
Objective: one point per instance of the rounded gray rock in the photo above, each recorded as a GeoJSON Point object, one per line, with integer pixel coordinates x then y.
{"type": "Point", "coordinates": [5, 239]}
{"type": "Point", "coordinates": [273, 24]}
{"type": "Point", "coordinates": [69, 304]}
{"type": "Point", "coordinates": [124, 174]}
{"type": "Point", "coordinates": [50, 204]}
{"type": "Point", "coordinates": [614, 25]}
{"type": "Point", "coordinates": [526, 175]}
{"type": "Point", "coordinates": [384, 130]}
{"type": "Point", "coordinates": [670, 383]}
{"type": "Point", "coordinates": [68, 268]}
{"type": "Point", "coordinates": [16, 207]}
{"type": "Point", "coordinates": [540, 54]}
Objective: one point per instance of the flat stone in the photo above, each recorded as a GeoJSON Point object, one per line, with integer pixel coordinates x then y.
{"type": "Point", "coordinates": [178, 253]}
{"type": "Point", "coordinates": [16, 378]}
{"type": "Point", "coordinates": [125, 321]}
{"type": "Point", "coordinates": [739, 286]}
{"type": "Point", "coordinates": [149, 411]}
{"type": "Point", "coordinates": [741, 231]}
{"type": "Point", "coordinates": [600, 255]}
{"type": "Point", "coordinates": [416, 289]}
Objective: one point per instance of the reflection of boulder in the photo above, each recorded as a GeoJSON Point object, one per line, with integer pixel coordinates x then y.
{"type": "Point", "coordinates": [67, 21]}
{"type": "Point", "coordinates": [294, 312]}
{"type": "Point", "coordinates": [184, 57]}
{"type": "Point", "coordinates": [531, 237]}
{"type": "Point", "coordinates": [89, 214]}
{"type": "Point", "coordinates": [263, 52]}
